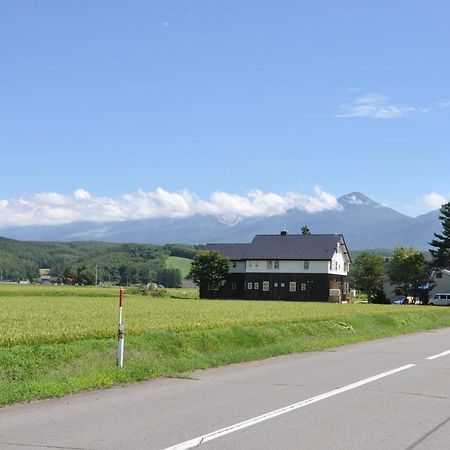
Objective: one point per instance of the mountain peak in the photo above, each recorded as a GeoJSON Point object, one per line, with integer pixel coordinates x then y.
{"type": "Point", "coordinates": [356, 198]}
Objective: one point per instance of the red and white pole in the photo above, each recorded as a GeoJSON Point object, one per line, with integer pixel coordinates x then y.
{"type": "Point", "coordinates": [121, 332]}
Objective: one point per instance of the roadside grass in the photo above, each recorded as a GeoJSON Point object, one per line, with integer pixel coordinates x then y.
{"type": "Point", "coordinates": [52, 346]}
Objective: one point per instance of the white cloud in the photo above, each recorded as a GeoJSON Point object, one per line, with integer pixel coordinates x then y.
{"type": "Point", "coordinates": [434, 200]}
{"type": "Point", "coordinates": [53, 208]}
{"type": "Point", "coordinates": [444, 103]}
{"type": "Point", "coordinates": [377, 106]}
{"type": "Point", "coordinates": [81, 194]}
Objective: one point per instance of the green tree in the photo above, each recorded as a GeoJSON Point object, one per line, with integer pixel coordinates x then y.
{"type": "Point", "coordinates": [367, 273]}
{"type": "Point", "coordinates": [407, 269]}
{"type": "Point", "coordinates": [209, 269]}
{"type": "Point", "coordinates": [305, 230]}
{"type": "Point", "coordinates": [170, 278]}
{"type": "Point", "coordinates": [441, 243]}
{"type": "Point", "coordinates": [85, 275]}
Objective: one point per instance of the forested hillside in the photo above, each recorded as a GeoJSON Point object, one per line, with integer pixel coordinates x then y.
{"type": "Point", "coordinates": [121, 263]}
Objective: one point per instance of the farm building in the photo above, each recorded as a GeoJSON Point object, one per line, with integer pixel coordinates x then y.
{"type": "Point", "coordinates": [297, 267]}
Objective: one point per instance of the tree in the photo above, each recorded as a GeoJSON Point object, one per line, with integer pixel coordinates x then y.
{"type": "Point", "coordinates": [209, 270]}
{"type": "Point", "coordinates": [367, 273]}
{"type": "Point", "coordinates": [441, 254]}
{"type": "Point", "coordinates": [85, 275]}
{"type": "Point", "coordinates": [170, 278]}
{"type": "Point", "coordinates": [305, 230]}
{"type": "Point", "coordinates": [407, 269]}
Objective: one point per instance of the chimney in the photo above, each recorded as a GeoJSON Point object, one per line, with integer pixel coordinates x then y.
{"type": "Point", "coordinates": [283, 231]}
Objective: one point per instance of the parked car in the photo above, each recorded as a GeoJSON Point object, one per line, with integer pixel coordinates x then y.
{"type": "Point", "coordinates": [441, 299]}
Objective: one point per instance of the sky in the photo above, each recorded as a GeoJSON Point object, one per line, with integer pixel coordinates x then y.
{"type": "Point", "coordinates": [118, 110]}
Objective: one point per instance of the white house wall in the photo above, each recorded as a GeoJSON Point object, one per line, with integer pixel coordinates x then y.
{"type": "Point", "coordinates": [338, 264]}
{"type": "Point", "coordinates": [238, 267]}
{"type": "Point", "coordinates": [287, 266]}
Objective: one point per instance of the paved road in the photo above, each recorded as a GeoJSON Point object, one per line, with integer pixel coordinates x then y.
{"type": "Point", "coordinates": [385, 393]}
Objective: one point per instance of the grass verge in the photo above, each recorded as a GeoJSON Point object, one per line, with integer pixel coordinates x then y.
{"type": "Point", "coordinates": [43, 369]}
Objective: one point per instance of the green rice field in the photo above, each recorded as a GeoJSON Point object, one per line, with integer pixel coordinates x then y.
{"type": "Point", "coordinates": [56, 340]}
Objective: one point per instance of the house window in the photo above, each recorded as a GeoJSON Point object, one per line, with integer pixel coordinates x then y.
{"type": "Point", "coordinates": [249, 286]}
{"type": "Point", "coordinates": [303, 286]}
{"type": "Point", "coordinates": [266, 286]}
{"type": "Point", "coordinates": [306, 265]}
{"type": "Point", "coordinates": [256, 286]}
{"type": "Point", "coordinates": [276, 264]}
{"type": "Point", "coordinates": [234, 264]}
{"type": "Point", "coordinates": [345, 288]}
{"type": "Point", "coordinates": [292, 286]}
{"type": "Point", "coordinates": [269, 265]}
{"type": "Point", "coordinates": [331, 265]}
{"type": "Point", "coordinates": [233, 285]}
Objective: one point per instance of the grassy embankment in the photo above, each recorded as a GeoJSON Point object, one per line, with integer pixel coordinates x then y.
{"type": "Point", "coordinates": [59, 340]}
{"type": "Point", "coordinates": [176, 262]}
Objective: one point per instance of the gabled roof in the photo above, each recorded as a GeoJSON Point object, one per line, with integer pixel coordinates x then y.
{"type": "Point", "coordinates": [283, 246]}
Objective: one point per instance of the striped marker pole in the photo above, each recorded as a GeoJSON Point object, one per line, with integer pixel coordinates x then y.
{"type": "Point", "coordinates": [121, 332]}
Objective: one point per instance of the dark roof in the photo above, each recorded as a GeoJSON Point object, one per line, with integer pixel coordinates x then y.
{"type": "Point", "coordinates": [279, 246]}
{"type": "Point", "coordinates": [233, 251]}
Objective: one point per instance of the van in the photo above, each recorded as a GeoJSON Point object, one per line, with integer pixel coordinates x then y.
{"type": "Point", "coordinates": [440, 299]}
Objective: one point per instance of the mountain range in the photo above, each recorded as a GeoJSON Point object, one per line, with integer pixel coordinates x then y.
{"type": "Point", "coordinates": [364, 223]}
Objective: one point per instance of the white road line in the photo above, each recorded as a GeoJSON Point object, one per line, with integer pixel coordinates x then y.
{"type": "Point", "coordinates": [250, 422]}
{"type": "Point", "coordinates": [440, 354]}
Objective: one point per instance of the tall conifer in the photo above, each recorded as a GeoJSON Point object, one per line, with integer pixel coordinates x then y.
{"type": "Point", "coordinates": [441, 243]}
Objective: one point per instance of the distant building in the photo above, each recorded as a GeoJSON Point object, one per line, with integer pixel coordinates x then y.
{"type": "Point", "coordinates": [293, 267]}
{"type": "Point", "coordinates": [44, 276]}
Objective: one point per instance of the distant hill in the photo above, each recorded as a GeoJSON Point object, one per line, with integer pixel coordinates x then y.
{"type": "Point", "coordinates": [124, 263]}
{"type": "Point", "coordinates": [365, 224]}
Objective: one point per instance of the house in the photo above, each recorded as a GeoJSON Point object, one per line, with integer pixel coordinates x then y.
{"type": "Point", "coordinates": [295, 267]}
{"type": "Point", "coordinates": [439, 281]}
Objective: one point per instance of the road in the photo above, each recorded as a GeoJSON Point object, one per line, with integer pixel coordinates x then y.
{"type": "Point", "coordinates": [392, 393]}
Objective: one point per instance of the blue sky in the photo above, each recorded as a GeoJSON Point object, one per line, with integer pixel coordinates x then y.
{"type": "Point", "coordinates": [176, 107]}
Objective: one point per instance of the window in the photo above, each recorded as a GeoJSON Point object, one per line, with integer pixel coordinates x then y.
{"type": "Point", "coordinates": [256, 286]}
{"type": "Point", "coordinates": [306, 265]}
{"type": "Point", "coordinates": [249, 286]}
{"type": "Point", "coordinates": [303, 287]}
{"type": "Point", "coordinates": [292, 286]}
{"type": "Point", "coordinates": [233, 285]}
{"type": "Point", "coordinates": [276, 264]}
{"type": "Point", "coordinates": [269, 264]}
{"type": "Point", "coordinates": [265, 286]}
{"type": "Point", "coordinates": [234, 264]}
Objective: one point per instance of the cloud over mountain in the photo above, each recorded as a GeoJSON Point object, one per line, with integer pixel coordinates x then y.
{"type": "Point", "coordinates": [51, 208]}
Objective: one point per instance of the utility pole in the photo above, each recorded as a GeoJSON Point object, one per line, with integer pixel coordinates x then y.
{"type": "Point", "coordinates": [96, 273]}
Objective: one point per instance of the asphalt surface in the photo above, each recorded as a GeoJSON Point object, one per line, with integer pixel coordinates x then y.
{"type": "Point", "coordinates": [407, 409]}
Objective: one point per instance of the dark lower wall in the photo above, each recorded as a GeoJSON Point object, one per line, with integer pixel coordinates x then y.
{"type": "Point", "coordinates": [249, 286]}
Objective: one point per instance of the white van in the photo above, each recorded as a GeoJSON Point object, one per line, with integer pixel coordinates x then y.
{"type": "Point", "coordinates": [440, 299]}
